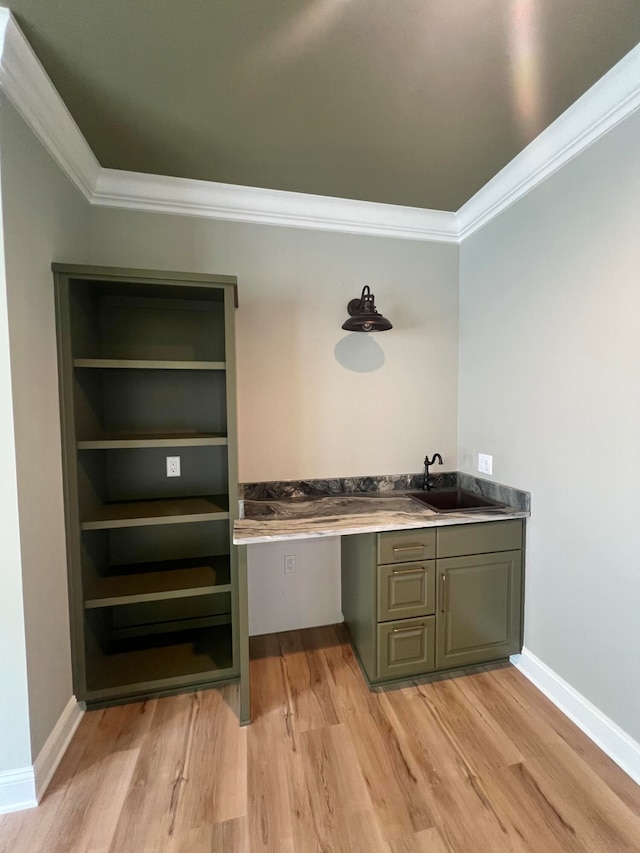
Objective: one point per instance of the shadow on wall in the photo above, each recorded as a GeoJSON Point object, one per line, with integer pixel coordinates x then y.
{"type": "Point", "coordinates": [360, 353]}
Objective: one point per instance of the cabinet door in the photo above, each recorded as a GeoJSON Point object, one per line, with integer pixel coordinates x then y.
{"type": "Point", "coordinates": [406, 590]}
{"type": "Point", "coordinates": [478, 608]}
{"type": "Point", "coordinates": [406, 647]}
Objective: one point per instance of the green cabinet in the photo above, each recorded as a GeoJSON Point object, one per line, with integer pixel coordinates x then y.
{"type": "Point", "coordinates": [479, 616]}
{"type": "Point", "coordinates": [406, 590]}
{"type": "Point", "coordinates": [461, 604]}
{"type": "Point", "coordinates": [406, 647]}
{"type": "Point", "coordinates": [146, 369]}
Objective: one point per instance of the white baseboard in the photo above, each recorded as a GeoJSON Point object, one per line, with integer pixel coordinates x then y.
{"type": "Point", "coordinates": [611, 739]}
{"type": "Point", "coordinates": [55, 746]}
{"type": "Point", "coordinates": [17, 790]}
{"type": "Point", "coordinates": [25, 787]}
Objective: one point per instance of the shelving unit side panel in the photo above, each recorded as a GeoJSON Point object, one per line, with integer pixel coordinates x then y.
{"type": "Point", "coordinates": [70, 485]}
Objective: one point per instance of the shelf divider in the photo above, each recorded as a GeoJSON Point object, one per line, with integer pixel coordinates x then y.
{"type": "Point", "coordinates": [147, 364]}
{"type": "Point", "coordinates": [118, 441]}
{"type": "Point", "coordinates": [165, 511]}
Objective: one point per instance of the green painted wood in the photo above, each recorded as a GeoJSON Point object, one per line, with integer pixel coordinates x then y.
{"type": "Point", "coordinates": [173, 335]}
{"type": "Point", "coordinates": [149, 402]}
{"type": "Point", "coordinates": [477, 601]}
{"type": "Point", "coordinates": [482, 538]}
{"type": "Point", "coordinates": [479, 607]}
{"type": "Point", "coordinates": [132, 274]}
{"type": "Point", "coordinates": [406, 590]}
{"type": "Point", "coordinates": [359, 598]}
{"type": "Point", "coordinates": [70, 484]}
{"type": "Point", "coordinates": [171, 511]}
{"type": "Point", "coordinates": [158, 581]}
{"type": "Point", "coordinates": [242, 636]}
{"type": "Point", "coordinates": [406, 546]}
{"type": "Point", "coordinates": [162, 661]}
{"type": "Point", "coordinates": [121, 696]}
{"type": "Point", "coordinates": [170, 329]}
{"type": "Point", "coordinates": [173, 626]}
{"type": "Point", "coordinates": [119, 441]}
{"type": "Point", "coordinates": [146, 364]}
{"type": "Point", "coordinates": [406, 647]}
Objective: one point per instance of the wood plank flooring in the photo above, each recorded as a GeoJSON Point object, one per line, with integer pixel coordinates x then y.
{"type": "Point", "coordinates": [481, 763]}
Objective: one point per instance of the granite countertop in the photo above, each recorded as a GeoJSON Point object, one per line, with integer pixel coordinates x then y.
{"type": "Point", "coordinates": [278, 511]}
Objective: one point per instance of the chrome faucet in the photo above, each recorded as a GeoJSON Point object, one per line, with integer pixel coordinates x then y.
{"type": "Point", "coordinates": [426, 485]}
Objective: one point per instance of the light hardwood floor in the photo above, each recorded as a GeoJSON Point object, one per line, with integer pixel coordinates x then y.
{"type": "Point", "coordinates": [481, 763]}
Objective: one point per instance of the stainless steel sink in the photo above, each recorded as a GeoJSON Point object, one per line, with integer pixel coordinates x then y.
{"type": "Point", "coordinates": [454, 500]}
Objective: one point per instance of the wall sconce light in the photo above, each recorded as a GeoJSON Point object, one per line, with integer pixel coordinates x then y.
{"type": "Point", "coordinates": [363, 315]}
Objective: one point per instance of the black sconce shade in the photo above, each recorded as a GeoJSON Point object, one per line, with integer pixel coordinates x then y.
{"type": "Point", "coordinates": [363, 315]}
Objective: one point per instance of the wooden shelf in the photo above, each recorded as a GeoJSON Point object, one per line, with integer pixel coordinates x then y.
{"type": "Point", "coordinates": [145, 630]}
{"type": "Point", "coordinates": [170, 579]}
{"type": "Point", "coordinates": [116, 441]}
{"type": "Point", "coordinates": [147, 364]}
{"type": "Point", "coordinates": [165, 511]}
{"type": "Point", "coordinates": [162, 661]}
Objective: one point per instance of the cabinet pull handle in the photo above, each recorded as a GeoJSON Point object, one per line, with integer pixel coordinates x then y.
{"type": "Point", "coordinates": [408, 628]}
{"type": "Point", "coordinates": [401, 548]}
{"type": "Point", "coordinates": [418, 571]}
{"type": "Point", "coordinates": [444, 593]}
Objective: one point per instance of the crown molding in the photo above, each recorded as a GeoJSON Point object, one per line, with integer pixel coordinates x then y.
{"type": "Point", "coordinates": [608, 102]}
{"type": "Point", "coordinates": [137, 191]}
{"type": "Point", "coordinates": [30, 90]}
{"type": "Point", "coordinates": [613, 98]}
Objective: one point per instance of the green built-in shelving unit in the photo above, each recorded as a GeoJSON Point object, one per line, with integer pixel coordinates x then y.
{"type": "Point", "coordinates": [146, 365]}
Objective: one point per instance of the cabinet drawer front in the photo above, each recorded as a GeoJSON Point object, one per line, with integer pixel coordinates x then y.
{"type": "Point", "coordinates": [406, 647]}
{"type": "Point", "coordinates": [406, 546]}
{"type": "Point", "coordinates": [407, 590]}
{"type": "Point", "coordinates": [480, 538]}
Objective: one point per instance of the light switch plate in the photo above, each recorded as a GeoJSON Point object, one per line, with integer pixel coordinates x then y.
{"type": "Point", "coordinates": [485, 463]}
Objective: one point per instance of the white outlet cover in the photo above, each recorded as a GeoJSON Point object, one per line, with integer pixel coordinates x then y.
{"type": "Point", "coordinates": [485, 463]}
{"type": "Point", "coordinates": [173, 466]}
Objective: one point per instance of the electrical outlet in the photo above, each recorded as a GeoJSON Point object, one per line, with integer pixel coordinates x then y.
{"type": "Point", "coordinates": [485, 463]}
{"type": "Point", "coordinates": [289, 564]}
{"type": "Point", "coordinates": [173, 466]}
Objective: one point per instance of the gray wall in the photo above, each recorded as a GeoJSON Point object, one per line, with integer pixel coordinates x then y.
{"type": "Point", "coordinates": [550, 385]}
{"type": "Point", "coordinates": [15, 750]}
{"type": "Point", "coordinates": [45, 220]}
{"type": "Point", "coordinates": [313, 400]}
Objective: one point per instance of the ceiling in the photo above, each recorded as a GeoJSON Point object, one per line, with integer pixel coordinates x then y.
{"type": "Point", "coordinates": [408, 102]}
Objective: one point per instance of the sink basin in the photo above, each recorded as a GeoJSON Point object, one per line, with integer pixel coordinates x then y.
{"type": "Point", "coordinates": [454, 500]}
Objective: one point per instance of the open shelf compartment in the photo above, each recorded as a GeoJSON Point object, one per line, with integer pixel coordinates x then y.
{"type": "Point", "coordinates": [169, 579]}
{"type": "Point", "coordinates": [152, 641]}
{"type": "Point", "coordinates": [162, 662]}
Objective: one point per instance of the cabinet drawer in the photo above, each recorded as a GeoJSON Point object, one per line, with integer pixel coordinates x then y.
{"type": "Point", "coordinates": [406, 647]}
{"type": "Point", "coordinates": [483, 538]}
{"type": "Point", "coordinates": [406, 590]}
{"type": "Point", "coordinates": [406, 546]}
